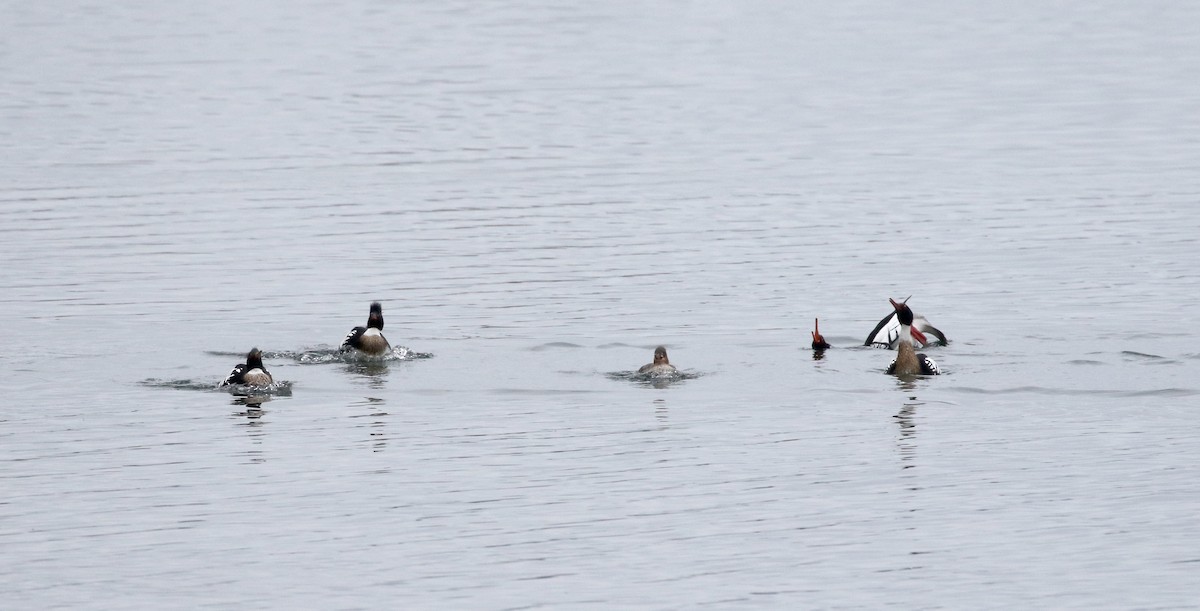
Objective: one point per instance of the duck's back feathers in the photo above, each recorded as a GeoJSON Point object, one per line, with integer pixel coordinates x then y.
{"type": "Point", "coordinates": [924, 366]}
{"type": "Point", "coordinates": [366, 339]}
{"type": "Point", "coordinates": [657, 368]}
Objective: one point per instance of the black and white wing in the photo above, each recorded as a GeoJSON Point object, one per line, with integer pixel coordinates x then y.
{"type": "Point", "coordinates": [928, 366]}
{"type": "Point", "coordinates": [924, 327]}
{"type": "Point", "coordinates": [353, 338]}
{"type": "Point", "coordinates": [886, 334]}
{"type": "Point", "coordinates": [236, 375]}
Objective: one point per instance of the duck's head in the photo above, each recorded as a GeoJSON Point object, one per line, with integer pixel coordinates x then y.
{"type": "Point", "coordinates": [904, 314]}
{"type": "Point", "coordinates": [375, 319]}
{"type": "Point", "coordinates": [254, 359]}
{"type": "Point", "coordinates": [660, 356]}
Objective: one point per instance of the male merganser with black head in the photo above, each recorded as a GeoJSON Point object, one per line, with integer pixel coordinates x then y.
{"type": "Point", "coordinates": [369, 339]}
{"type": "Point", "coordinates": [250, 373]}
{"type": "Point", "coordinates": [660, 364]}
{"type": "Point", "coordinates": [908, 361]}
{"type": "Point", "coordinates": [887, 333]}
{"type": "Point", "coordinates": [819, 342]}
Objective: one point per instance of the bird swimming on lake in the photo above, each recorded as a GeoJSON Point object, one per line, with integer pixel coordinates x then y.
{"type": "Point", "coordinates": [887, 333]}
{"type": "Point", "coordinates": [908, 361]}
{"type": "Point", "coordinates": [368, 339]}
{"type": "Point", "coordinates": [250, 373]}
{"type": "Point", "coordinates": [818, 342]}
{"type": "Point", "coordinates": [660, 364]}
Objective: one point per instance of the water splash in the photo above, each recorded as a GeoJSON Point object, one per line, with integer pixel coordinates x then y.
{"type": "Point", "coordinates": [329, 355]}
{"type": "Point", "coordinates": [325, 354]}
{"type": "Point", "coordinates": [654, 379]}
{"type": "Point", "coordinates": [282, 388]}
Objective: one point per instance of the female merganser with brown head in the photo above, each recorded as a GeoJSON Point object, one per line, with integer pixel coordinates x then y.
{"type": "Point", "coordinates": [251, 373]}
{"type": "Point", "coordinates": [660, 364]}
{"type": "Point", "coordinates": [368, 339]}
{"type": "Point", "coordinates": [886, 334]}
{"type": "Point", "coordinates": [908, 361]}
{"type": "Point", "coordinates": [819, 342]}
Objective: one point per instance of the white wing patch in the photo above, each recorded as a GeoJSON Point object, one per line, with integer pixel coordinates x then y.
{"type": "Point", "coordinates": [257, 377]}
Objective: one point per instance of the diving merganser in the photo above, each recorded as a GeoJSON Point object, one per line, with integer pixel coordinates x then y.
{"type": "Point", "coordinates": [660, 364]}
{"type": "Point", "coordinates": [887, 333]}
{"type": "Point", "coordinates": [368, 339]}
{"type": "Point", "coordinates": [818, 342]}
{"type": "Point", "coordinates": [908, 361]}
{"type": "Point", "coordinates": [251, 373]}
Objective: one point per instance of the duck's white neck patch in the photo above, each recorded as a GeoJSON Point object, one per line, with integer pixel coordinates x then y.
{"type": "Point", "coordinates": [372, 332]}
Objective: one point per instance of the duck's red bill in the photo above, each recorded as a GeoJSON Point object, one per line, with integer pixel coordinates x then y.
{"type": "Point", "coordinates": [917, 335]}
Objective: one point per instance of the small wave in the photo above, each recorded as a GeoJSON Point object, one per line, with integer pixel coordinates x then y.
{"type": "Point", "coordinates": [1147, 359]}
{"type": "Point", "coordinates": [180, 384]}
{"type": "Point", "coordinates": [618, 345]}
{"type": "Point", "coordinates": [553, 345]}
{"type": "Point", "coordinates": [1141, 355]}
{"type": "Point", "coordinates": [1041, 390]}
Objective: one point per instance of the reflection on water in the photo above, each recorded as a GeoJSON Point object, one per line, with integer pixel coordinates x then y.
{"type": "Point", "coordinates": [251, 417]}
{"type": "Point", "coordinates": [377, 425]}
{"type": "Point", "coordinates": [908, 432]}
{"type": "Point", "coordinates": [252, 403]}
{"type": "Point", "coordinates": [373, 373]}
{"type": "Point", "coordinates": [661, 413]}
{"type": "Point", "coordinates": [906, 418]}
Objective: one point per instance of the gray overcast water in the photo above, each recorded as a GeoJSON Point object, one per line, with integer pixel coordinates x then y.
{"type": "Point", "coordinates": [540, 193]}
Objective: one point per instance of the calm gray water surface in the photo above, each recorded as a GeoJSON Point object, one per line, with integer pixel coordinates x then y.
{"type": "Point", "coordinates": [540, 193]}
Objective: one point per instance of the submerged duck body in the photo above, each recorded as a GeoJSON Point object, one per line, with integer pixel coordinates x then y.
{"type": "Point", "coordinates": [368, 339]}
{"type": "Point", "coordinates": [908, 361]}
{"type": "Point", "coordinates": [660, 365]}
{"type": "Point", "coordinates": [250, 373]}
{"type": "Point", "coordinates": [818, 341]}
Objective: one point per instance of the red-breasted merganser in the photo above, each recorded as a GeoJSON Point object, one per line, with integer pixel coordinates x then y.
{"type": "Point", "coordinates": [251, 373]}
{"type": "Point", "coordinates": [660, 364]}
{"type": "Point", "coordinates": [368, 339]}
{"type": "Point", "coordinates": [819, 342]}
{"type": "Point", "coordinates": [887, 333]}
{"type": "Point", "coordinates": [908, 361]}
